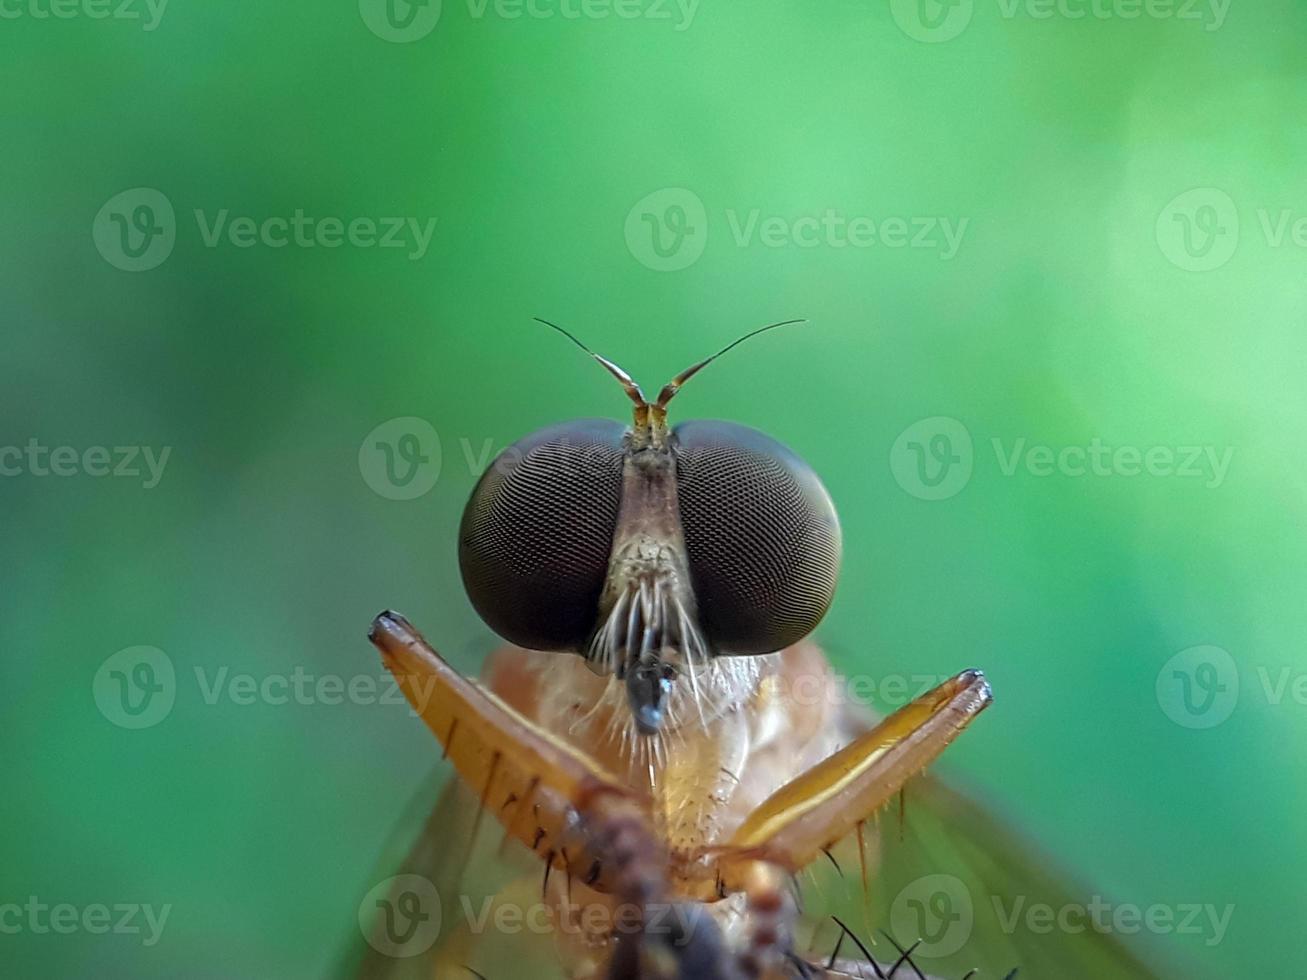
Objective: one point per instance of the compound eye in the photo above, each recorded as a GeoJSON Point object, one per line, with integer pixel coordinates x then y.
{"type": "Point", "coordinates": [536, 535]}
{"type": "Point", "coordinates": [761, 535]}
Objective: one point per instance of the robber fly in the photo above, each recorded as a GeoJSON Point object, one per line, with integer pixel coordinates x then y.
{"type": "Point", "coordinates": [665, 751]}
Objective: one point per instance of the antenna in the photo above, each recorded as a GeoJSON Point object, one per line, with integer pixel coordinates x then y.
{"type": "Point", "coordinates": [672, 387]}
{"type": "Point", "coordinates": [628, 383]}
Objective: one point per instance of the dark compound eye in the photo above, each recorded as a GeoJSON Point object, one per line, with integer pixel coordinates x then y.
{"type": "Point", "coordinates": [761, 536]}
{"type": "Point", "coordinates": [536, 535]}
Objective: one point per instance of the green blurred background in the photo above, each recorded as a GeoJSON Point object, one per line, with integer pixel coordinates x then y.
{"type": "Point", "coordinates": [1093, 294]}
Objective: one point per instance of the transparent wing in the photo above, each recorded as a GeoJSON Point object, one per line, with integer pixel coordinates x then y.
{"type": "Point", "coordinates": [474, 916]}
{"type": "Point", "coordinates": [959, 891]}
